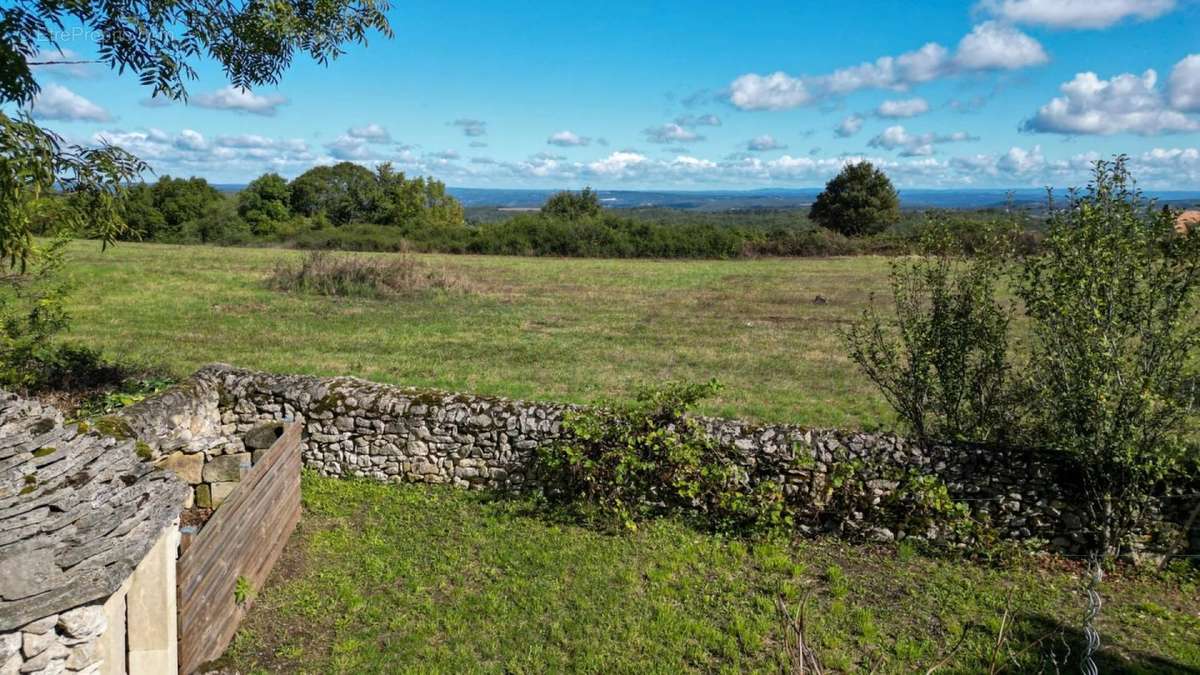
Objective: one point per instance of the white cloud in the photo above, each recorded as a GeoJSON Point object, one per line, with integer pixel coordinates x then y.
{"type": "Point", "coordinates": [1184, 84]}
{"type": "Point", "coordinates": [989, 46]}
{"type": "Point", "coordinates": [371, 133]}
{"type": "Point", "coordinates": [997, 46]}
{"type": "Point", "coordinates": [708, 120]}
{"type": "Point", "coordinates": [764, 143]}
{"type": "Point", "coordinates": [671, 133]}
{"type": "Point", "coordinates": [446, 155]}
{"type": "Point", "coordinates": [776, 91]}
{"type": "Point", "coordinates": [471, 127]}
{"type": "Point", "coordinates": [1076, 13]}
{"type": "Point", "coordinates": [240, 100]}
{"type": "Point", "coordinates": [618, 164]}
{"type": "Point", "coordinates": [567, 138]}
{"type": "Point", "coordinates": [1125, 103]}
{"type": "Point", "coordinates": [915, 145]}
{"type": "Point", "coordinates": [910, 107]}
{"type": "Point", "coordinates": [56, 102]}
{"type": "Point", "coordinates": [190, 152]}
{"type": "Point", "coordinates": [190, 139]}
{"type": "Point", "coordinates": [849, 126]}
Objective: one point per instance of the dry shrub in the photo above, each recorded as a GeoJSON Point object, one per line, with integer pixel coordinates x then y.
{"type": "Point", "coordinates": [354, 275]}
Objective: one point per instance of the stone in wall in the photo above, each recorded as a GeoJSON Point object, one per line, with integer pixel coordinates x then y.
{"type": "Point", "coordinates": [60, 643]}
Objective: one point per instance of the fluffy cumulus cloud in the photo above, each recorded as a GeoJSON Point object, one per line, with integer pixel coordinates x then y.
{"type": "Point", "coordinates": [997, 46]}
{"type": "Point", "coordinates": [909, 107]}
{"type": "Point", "coordinates": [1076, 13]}
{"type": "Point", "coordinates": [849, 126]}
{"type": "Point", "coordinates": [471, 127]}
{"type": "Point", "coordinates": [915, 145]}
{"type": "Point", "coordinates": [1124, 103]}
{"type": "Point", "coordinates": [567, 139]}
{"type": "Point", "coordinates": [56, 102]}
{"type": "Point", "coordinates": [989, 46]}
{"type": "Point", "coordinates": [240, 100]}
{"type": "Point", "coordinates": [618, 164]}
{"type": "Point", "coordinates": [671, 133]}
{"type": "Point", "coordinates": [764, 143]}
{"type": "Point", "coordinates": [1184, 84]}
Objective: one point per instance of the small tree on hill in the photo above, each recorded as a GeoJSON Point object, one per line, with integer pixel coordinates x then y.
{"type": "Point", "coordinates": [569, 205]}
{"type": "Point", "coordinates": [859, 200]}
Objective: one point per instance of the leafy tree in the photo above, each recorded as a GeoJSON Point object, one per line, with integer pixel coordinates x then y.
{"type": "Point", "coordinates": [1112, 302]}
{"type": "Point", "coordinates": [161, 42]}
{"type": "Point", "coordinates": [139, 212]}
{"type": "Point", "coordinates": [859, 200]}
{"type": "Point", "coordinates": [219, 222]}
{"type": "Point", "coordinates": [419, 200]}
{"type": "Point", "coordinates": [265, 202]}
{"type": "Point", "coordinates": [345, 192]}
{"type": "Point", "coordinates": [567, 205]}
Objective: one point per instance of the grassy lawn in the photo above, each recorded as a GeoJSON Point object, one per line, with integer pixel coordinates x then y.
{"type": "Point", "coordinates": [571, 330]}
{"type": "Point", "coordinates": [385, 578]}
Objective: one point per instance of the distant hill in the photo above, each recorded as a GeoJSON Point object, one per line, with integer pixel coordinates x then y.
{"type": "Point", "coordinates": [771, 198]}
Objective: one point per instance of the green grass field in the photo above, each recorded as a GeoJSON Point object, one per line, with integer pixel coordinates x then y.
{"type": "Point", "coordinates": [571, 330]}
{"type": "Point", "coordinates": [384, 578]}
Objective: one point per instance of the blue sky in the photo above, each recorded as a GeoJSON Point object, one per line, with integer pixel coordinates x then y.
{"type": "Point", "coordinates": [999, 93]}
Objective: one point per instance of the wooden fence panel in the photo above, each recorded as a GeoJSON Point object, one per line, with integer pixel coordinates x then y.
{"type": "Point", "coordinates": [243, 538]}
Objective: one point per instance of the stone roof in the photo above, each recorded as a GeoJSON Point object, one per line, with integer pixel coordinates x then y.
{"type": "Point", "coordinates": [78, 511]}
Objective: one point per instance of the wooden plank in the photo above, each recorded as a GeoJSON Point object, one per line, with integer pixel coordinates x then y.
{"type": "Point", "coordinates": [245, 538]}
{"type": "Point", "coordinates": [248, 497]}
{"type": "Point", "coordinates": [217, 614]}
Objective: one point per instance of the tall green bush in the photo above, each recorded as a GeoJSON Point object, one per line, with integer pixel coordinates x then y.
{"type": "Point", "coordinates": [944, 362]}
{"type": "Point", "coordinates": [1105, 379]}
{"type": "Point", "coordinates": [1112, 305]}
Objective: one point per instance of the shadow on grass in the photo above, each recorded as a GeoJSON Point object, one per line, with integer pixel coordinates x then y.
{"type": "Point", "coordinates": [1041, 643]}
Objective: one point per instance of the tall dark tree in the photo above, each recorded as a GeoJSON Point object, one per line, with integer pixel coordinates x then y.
{"type": "Point", "coordinates": [161, 41]}
{"type": "Point", "coordinates": [859, 200]}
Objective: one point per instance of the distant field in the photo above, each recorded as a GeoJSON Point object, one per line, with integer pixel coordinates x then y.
{"type": "Point", "coordinates": [573, 330]}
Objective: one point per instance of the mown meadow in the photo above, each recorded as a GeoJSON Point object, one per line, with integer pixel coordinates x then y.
{"type": "Point", "coordinates": [543, 328]}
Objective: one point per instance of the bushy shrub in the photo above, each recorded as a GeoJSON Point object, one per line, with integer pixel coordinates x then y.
{"type": "Point", "coordinates": [1111, 303]}
{"type": "Point", "coordinates": [567, 205]}
{"type": "Point", "coordinates": [623, 462]}
{"type": "Point", "coordinates": [944, 362]}
{"type": "Point", "coordinates": [350, 275]}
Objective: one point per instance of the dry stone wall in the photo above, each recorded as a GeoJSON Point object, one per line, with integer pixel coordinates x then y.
{"type": "Point", "coordinates": [355, 428]}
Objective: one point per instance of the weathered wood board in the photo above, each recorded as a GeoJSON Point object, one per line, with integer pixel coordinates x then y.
{"type": "Point", "coordinates": [243, 538]}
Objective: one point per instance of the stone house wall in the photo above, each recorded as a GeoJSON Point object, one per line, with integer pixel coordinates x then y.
{"type": "Point", "coordinates": [355, 428]}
